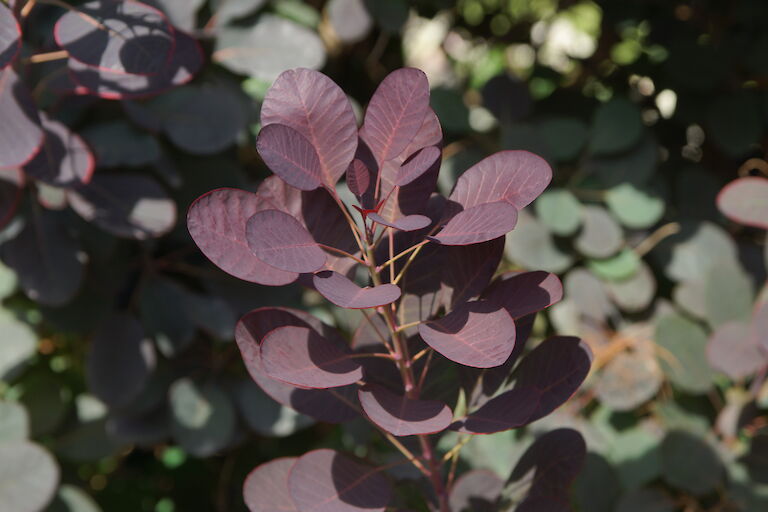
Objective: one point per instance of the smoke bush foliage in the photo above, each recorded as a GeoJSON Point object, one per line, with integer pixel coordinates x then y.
{"type": "Point", "coordinates": [440, 344]}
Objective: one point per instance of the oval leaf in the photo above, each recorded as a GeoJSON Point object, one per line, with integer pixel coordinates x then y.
{"type": "Point", "coordinates": [524, 293]}
{"type": "Point", "coordinates": [217, 223]}
{"type": "Point", "coordinates": [511, 409]}
{"type": "Point", "coordinates": [417, 165]}
{"type": "Point", "coordinates": [746, 201]}
{"type": "Point", "coordinates": [64, 159]}
{"type": "Point", "coordinates": [266, 487]}
{"type": "Point", "coordinates": [312, 104]}
{"type": "Point", "coordinates": [395, 113]}
{"type": "Point", "coordinates": [10, 37]}
{"type": "Point", "coordinates": [346, 294]}
{"type": "Point", "coordinates": [478, 224]}
{"type": "Point", "coordinates": [278, 239]}
{"type": "Point", "coordinates": [403, 416]}
{"type": "Point", "coordinates": [477, 334]}
{"type": "Point", "coordinates": [20, 133]}
{"type": "Point", "coordinates": [734, 352]}
{"type": "Point", "coordinates": [291, 156]}
{"type": "Point", "coordinates": [28, 476]}
{"type": "Point", "coordinates": [326, 481]}
{"type": "Point", "coordinates": [358, 177]}
{"type": "Point", "coordinates": [476, 491]}
{"type": "Point", "coordinates": [407, 223]}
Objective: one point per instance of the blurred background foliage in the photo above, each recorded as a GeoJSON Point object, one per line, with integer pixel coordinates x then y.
{"type": "Point", "coordinates": [645, 110]}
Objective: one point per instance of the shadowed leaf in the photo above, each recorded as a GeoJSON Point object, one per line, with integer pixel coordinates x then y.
{"type": "Point", "coordinates": [478, 224]}
{"type": "Point", "coordinates": [11, 188]}
{"type": "Point", "coordinates": [524, 293]}
{"type": "Point", "coordinates": [10, 37]}
{"type": "Point", "coordinates": [278, 239]}
{"type": "Point", "coordinates": [266, 487]}
{"type": "Point", "coordinates": [203, 418]}
{"type": "Point", "coordinates": [416, 165]}
{"type": "Point", "coordinates": [346, 294]}
{"type": "Point", "coordinates": [511, 409]}
{"type": "Point", "coordinates": [467, 270]}
{"type": "Point", "coordinates": [678, 450]}
{"type": "Point", "coordinates": [20, 133]}
{"type": "Point", "coordinates": [403, 416]}
{"type": "Point", "coordinates": [476, 491]}
{"type": "Point", "coordinates": [64, 160]}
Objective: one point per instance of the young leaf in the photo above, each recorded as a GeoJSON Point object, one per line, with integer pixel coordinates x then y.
{"type": "Point", "coordinates": [301, 357]}
{"type": "Point", "coordinates": [313, 105]}
{"type": "Point", "coordinates": [477, 334]}
{"type": "Point", "coordinates": [326, 481]}
{"type": "Point", "coordinates": [20, 133]}
{"type": "Point", "coordinates": [346, 294]}
{"type": "Point", "coordinates": [10, 37]}
{"type": "Point", "coordinates": [554, 369]}
{"type": "Point", "coordinates": [515, 177]}
{"type": "Point", "coordinates": [395, 113]}
{"type": "Point", "coordinates": [278, 239]}
{"type": "Point", "coordinates": [291, 156]}
{"type": "Point", "coordinates": [403, 416]}
{"type": "Point", "coordinates": [416, 165]}
{"type": "Point", "coordinates": [746, 201]}
{"type": "Point", "coordinates": [478, 224]}
{"type": "Point", "coordinates": [511, 409]}
{"type": "Point", "coordinates": [122, 37]}
{"type": "Point", "coordinates": [524, 293]}
{"type": "Point", "coordinates": [266, 487]}
{"type": "Point", "coordinates": [331, 405]}
{"type": "Point", "coordinates": [358, 177]}
{"type": "Point", "coordinates": [407, 223]}
{"type": "Point", "coordinates": [64, 159]}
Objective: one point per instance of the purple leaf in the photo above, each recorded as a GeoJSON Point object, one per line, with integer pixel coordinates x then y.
{"type": "Point", "coordinates": [11, 188]}
{"type": "Point", "coordinates": [120, 360]}
{"type": "Point", "coordinates": [523, 293]}
{"type": "Point", "coordinates": [760, 325]}
{"type": "Point", "coordinates": [301, 357]}
{"type": "Point", "coordinates": [407, 223]}
{"type": "Point", "coordinates": [476, 491]}
{"type": "Point", "coordinates": [515, 177]}
{"type": "Point", "coordinates": [468, 269]}
{"type": "Point", "coordinates": [289, 155]}
{"type": "Point", "coordinates": [395, 113]}
{"type": "Point", "coordinates": [126, 205]}
{"type": "Point", "coordinates": [20, 133]}
{"type": "Point", "coordinates": [734, 352]}
{"type": "Point", "coordinates": [278, 239]}
{"type": "Point", "coordinates": [10, 37]}
{"type": "Point", "coordinates": [358, 177]}
{"type": "Point", "coordinates": [326, 481]}
{"type": "Point", "coordinates": [121, 37]}
{"type": "Point", "coordinates": [186, 60]}
{"type": "Point", "coordinates": [478, 224]}
{"type": "Point", "coordinates": [217, 222]}
{"type": "Point", "coordinates": [346, 294]}
{"type": "Point", "coordinates": [266, 487]}
{"type": "Point", "coordinates": [330, 405]}
{"type": "Point", "coordinates": [64, 159]}
{"type": "Point", "coordinates": [745, 201]}
{"type": "Point", "coordinates": [313, 105]}
{"type": "Point", "coordinates": [403, 416]}
{"type": "Point", "coordinates": [511, 409]}
{"type": "Point", "coordinates": [47, 259]}
{"type": "Point", "coordinates": [477, 334]}
{"type": "Point", "coordinates": [417, 165]}
{"type": "Point", "coordinates": [555, 369]}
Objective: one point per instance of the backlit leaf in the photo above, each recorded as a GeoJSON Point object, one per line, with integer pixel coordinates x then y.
{"type": "Point", "coordinates": [289, 155]}
{"type": "Point", "coordinates": [407, 223]}
{"type": "Point", "coordinates": [416, 165]}
{"type": "Point", "coordinates": [266, 487]}
{"type": "Point", "coordinates": [280, 240]}
{"type": "Point", "coordinates": [477, 224]}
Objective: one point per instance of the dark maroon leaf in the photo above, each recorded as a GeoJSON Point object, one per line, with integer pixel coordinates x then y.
{"type": "Point", "coordinates": [120, 360]}
{"type": "Point", "coordinates": [126, 205]}
{"type": "Point", "coordinates": [546, 471]}
{"type": "Point", "coordinates": [478, 224]}
{"type": "Point", "coordinates": [47, 259]}
{"type": "Point", "coordinates": [477, 334]}
{"type": "Point", "coordinates": [11, 188]}
{"type": "Point", "coordinates": [278, 239]}
{"type": "Point", "coordinates": [358, 177]}
{"type": "Point", "coordinates": [313, 105]}
{"type": "Point", "coordinates": [407, 223]}
{"type": "Point", "coordinates": [734, 352]}
{"type": "Point", "coordinates": [417, 165]}
{"type": "Point", "coordinates": [476, 491]}
{"type": "Point", "coordinates": [468, 269]}
{"type": "Point", "coordinates": [395, 113]}
{"type": "Point", "coordinates": [64, 159]}
{"type": "Point", "coordinates": [523, 293]}
{"type": "Point", "coordinates": [326, 481]}
{"type": "Point", "coordinates": [403, 416]}
{"type": "Point", "coordinates": [346, 294]}
{"type": "Point", "coordinates": [10, 37]}
{"type": "Point", "coordinates": [217, 222]}
{"type": "Point", "coordinates": [20, 133]}
{"type": "Point", "coordinates": [511, 409]}
{"type": "Point", "coordinates": [746, 201]}
{"type": "Point", "coordinates": [266, 487]}
{"type": "Point", "coordinates": [291, 156]}
{"type": "Point", "coordinates": [301, 357]}
{"type": "Point", "coordinates": [186, 60]}
{"type": "Point", "coordinates": [555, 369]}
{"type": "Point", "coordinates": [122, 37]}
{"type": "Point", "coordinates": [515, 177]}
{"type": "Point", "coordinates": [331, 405]}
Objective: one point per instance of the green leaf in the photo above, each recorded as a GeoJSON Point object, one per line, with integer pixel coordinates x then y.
{"type": "Point", "coordinates": [450, 109]}
{"type": "Point", "coordinates": [728, 294]}
{"type": "Point", "coordinates": [19, 344]}
{"type": "Point", "coordinates": [563, 136]}
{"type": "Point", "coordinates": [265, 416]}
{"type": "Point", "coordinates": [683, 357]}
{"type": "Point", "coordinates": [635, 453]}
{"type": "Point", "coordinates": [600, 235]}
{"type": "Point", "coordinates": [616, 127]}
{"type": "Point", "coordinates": [628, 380]}
{"type": "Point", "coordinates": [8, 281]}
{"type": "Point", "coordinates": [636, 165]}
{"type": "Point", "coordinates": [531, 245]}
{"type": "Point", "coordinates": [390, 15]}
{"type": "Point", "coordinates": [597, 487]}
{"type": "Point", "coordinates": [118, 144]}
{"type": "Point", "coordinates": [14, 422]}
{"type": "Point", "coordinates": [620, 267]}
{"type": "Point", "coordinates": [735, 123]}
{"type": "Point", "coordinates": [646, 500]}
{"type": "Point", "coordinates": [635, 207]}
{"type": "Point", "coordinates": [690, 464]}
{"type": "Point", "coordinates": [636, 293]}
{"type": "Point", "coordinates": [203, 417]}
{"type": "Point", "coordinates": [47, 401]}
{"type": "Point", "coordinates": [28, 476]}
{"type": "Point", "coordinates": [559, 210]}
{"type": "Point", "coordinates": [73, 499]}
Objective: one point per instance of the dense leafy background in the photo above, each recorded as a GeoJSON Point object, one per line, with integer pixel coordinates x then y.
{"type": "Point", "coordinates": [117, 357]}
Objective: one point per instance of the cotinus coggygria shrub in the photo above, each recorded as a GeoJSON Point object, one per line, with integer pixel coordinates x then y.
{"type": "Point", "coordinates": [441, 344]}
